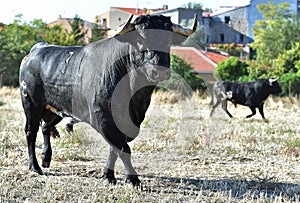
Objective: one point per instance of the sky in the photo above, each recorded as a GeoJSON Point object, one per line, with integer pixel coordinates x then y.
{"type": "Point", "coordinates": [49, 10]}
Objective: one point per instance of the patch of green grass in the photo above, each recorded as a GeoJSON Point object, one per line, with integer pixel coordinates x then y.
{"type": "Point", "coordinates": [146, 123]}
{"type": "Point", "coordinates": [232, 151]}
{"type": "Point", "coordinates": [75, 156]}
{"type": "Point", "coordinates": [280, 131]}
{"type": "Point", "coordinates": [292, 146]}
{"type": "Point", "coordinates": [146, 146]}
{"type": "Point", "coordinates": [1, 103]}
{"type": "Point", "coordinates": [196, 145]}
{"type": "Point", "coordinates": [69, 140]}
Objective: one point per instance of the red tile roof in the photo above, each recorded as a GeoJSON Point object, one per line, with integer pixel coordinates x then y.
{"type": "Point", "coordinates": [195, 58]}
{"type": "Point", "coordinates": [215, 57]}
{"type": "Point", "coordinates": [202, 62]}
{"type": "Point", "coordinates": [138, 11]}
{"type": "Point", "coordinates": [199, 59]}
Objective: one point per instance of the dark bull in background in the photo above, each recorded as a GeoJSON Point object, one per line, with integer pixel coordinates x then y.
{"type": "Point", "coordinates": [251, 94]}
{"type": "Point", "coordinates": [107, 84]}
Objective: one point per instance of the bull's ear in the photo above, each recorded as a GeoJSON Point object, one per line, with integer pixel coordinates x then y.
{"type": "Point", "coordinates": [130, 37]}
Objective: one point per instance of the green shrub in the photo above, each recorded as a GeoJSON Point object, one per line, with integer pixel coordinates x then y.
{"type": "Point", "coordinates": [182, 75]}
{"type": "Point", "coordinates": [290, 83]}
{"type": "Point", "coordinates": [231, 69]}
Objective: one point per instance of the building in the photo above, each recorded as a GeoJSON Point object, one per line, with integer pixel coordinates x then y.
{"type": "Point", "coordinates": [235, 25]}
{"type": "Point", "coordinates": [182, 16]}
{"type": "Point", "coordinates": [116, 16]}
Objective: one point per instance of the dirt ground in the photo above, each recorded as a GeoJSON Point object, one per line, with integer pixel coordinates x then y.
{"type": "Point", "coordinates": [181, 155]}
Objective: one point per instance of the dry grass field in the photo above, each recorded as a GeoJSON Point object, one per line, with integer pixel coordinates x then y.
{"type": "Point", "coordinates": [181, 154]}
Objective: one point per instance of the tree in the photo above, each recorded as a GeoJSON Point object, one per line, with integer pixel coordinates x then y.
{"type": "Point", "coordinates": [197, 6]}
{"type": "Point", "coordinates": [231, 69]}
{"type": "Point", "coordinates": [193, 5]}
{"type": "Point", "coordinates": [77, 26]}
{"type": "Point", "coordinates": [59, 35]}
{"type": "Point", "coordinates": [16, 40]}
{"type": "Point", "coordinates": [97, 33]}
{"type": "Point", "coordinates": [181, 70]}
{"type": "Point", "coordinates": [289, 60]}
{"type": "Point", "coordinates": [275, 33]}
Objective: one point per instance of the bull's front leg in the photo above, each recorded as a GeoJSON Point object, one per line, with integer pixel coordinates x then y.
{"type": "Point", "coordinates": [131, 174]}
{"type": "Point", "coordinates": [253, 112]}
{"type": "Point", "coordinates": [224, 107]}
{"type": "Point", "coordinates": [261, 110]}
{"type": "Point", "coordinates": [122, 150]}
{"type": "Point", "coordinates": [119, 147]}
{"type": "Point", "coordinates": [109, 173]}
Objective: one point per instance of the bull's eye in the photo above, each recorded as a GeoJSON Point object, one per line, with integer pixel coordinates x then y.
{"type": "Point", "coordinates": [148, 54]}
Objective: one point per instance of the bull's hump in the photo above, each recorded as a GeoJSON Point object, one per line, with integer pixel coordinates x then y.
{"type": "Point", "coordinates": [38, 46]}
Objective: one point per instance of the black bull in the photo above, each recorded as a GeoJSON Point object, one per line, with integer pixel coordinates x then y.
{"type": "Point", "coordinates": [107, 84]}
{"type": "Point", "coordinates": [251, 94]}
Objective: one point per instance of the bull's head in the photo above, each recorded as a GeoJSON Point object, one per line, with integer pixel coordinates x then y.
{"type": "Point", "coordinates": [151, 37]}
{"type": "Point", "coordinates": [274, 86]}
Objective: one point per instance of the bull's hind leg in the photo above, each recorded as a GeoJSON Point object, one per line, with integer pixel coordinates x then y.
{"type": "Point", "coordinates": [33, 117]}
{"type": "Point", "coordinates": [224, 107]}
{"type": "Point", "coordinates": [49, 129]}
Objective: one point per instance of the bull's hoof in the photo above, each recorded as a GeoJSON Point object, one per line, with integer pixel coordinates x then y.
{"type": "Point", "coordinates": [134, 180]}
{"type": "Point", "coordinates": [109, 176]}
{"type": "Point", "coordinates": [38, 171]}
{"type": "Point", "coordinates": [111, 180]}
{"type": "Point", "coordinates": [45, 164]}
{"type": "Point", "coordinates": [54, 133]}
{"type": "Point", "coordinates": [69, 127]}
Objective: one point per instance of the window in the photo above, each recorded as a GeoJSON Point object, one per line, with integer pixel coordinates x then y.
{"type": "Point", "coordinates": [227, 19]}
{"type": "Point", "coordinates": [222, 37]}
{"type": "Point", "coordinates": [207, 39]}
{"type": "Point", "coordinates": [240, 38]}
{"type": "Point", "coordinates": [103, 23]}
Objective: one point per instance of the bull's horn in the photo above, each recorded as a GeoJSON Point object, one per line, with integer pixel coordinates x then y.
{"type": "Point", "coordinates": [271, 80]}
{"type": "Point", "coordinates": [186, 31]}
{"type": "Point", "coordinates": [126, 27]}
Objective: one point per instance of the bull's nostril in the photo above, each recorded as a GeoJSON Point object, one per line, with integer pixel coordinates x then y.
{"type": "Point", "coordinates": [155, 74]}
